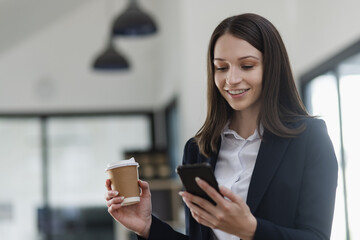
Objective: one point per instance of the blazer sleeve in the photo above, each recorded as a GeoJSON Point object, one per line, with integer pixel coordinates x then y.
{"type": "Point", "coordinates": [317, 196]}
{"type": "Point", "coordinates": [162, 231]}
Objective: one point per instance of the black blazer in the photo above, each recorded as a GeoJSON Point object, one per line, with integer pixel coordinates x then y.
{"type": "Point", "coordinates": [291, 193]}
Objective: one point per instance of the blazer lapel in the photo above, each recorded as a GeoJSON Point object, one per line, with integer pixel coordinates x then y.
{"type": "Point", "coordinates": [271, 151]}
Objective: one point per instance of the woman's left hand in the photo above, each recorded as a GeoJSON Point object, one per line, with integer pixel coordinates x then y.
{"type": "Point", "coordinates": [231, 215]}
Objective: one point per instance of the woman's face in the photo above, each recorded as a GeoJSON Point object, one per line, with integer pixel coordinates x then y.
{"type": "Point", "coordinates": [238, 72]}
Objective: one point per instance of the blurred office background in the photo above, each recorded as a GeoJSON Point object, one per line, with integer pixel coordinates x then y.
{"type": "Point", "coordinates": [62, 121]}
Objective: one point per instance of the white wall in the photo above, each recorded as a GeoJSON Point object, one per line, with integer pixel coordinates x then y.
{"type": "Point", "coordinates": [169, 71]}
{"type": "Point", "coordinates": [325, 28]}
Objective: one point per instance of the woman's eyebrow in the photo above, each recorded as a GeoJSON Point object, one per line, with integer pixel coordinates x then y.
{"type": "Point", "coordinates": [240, 58]}
{"type": "Point", "coordinates": [249, 56]}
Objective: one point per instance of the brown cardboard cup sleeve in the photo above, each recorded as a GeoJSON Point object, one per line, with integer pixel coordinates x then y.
{"type": "Point", "coordinates": [124, 179]}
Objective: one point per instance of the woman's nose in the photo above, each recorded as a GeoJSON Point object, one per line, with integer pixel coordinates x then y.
{"type": "Point", "coordinates": [234, 76]}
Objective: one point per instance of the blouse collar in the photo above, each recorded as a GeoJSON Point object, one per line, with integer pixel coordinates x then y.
{"type": "Point", "coordinates": [254, 136]}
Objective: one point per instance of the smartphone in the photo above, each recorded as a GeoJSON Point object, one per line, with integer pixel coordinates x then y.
{"type": "Point", "coordinates": [188, 173]}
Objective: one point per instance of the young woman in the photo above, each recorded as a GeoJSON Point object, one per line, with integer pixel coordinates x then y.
{"type": "Point", "coordinates": [275, 163]}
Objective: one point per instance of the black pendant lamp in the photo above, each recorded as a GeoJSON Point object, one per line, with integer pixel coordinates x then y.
{"type": "Point", "coordinates": [133, 22]}
{"type": "Point", "coordinates": [111, 59]}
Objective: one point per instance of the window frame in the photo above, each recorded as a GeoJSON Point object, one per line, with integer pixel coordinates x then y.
{"type": "Point", "coordinates": [332, 65]}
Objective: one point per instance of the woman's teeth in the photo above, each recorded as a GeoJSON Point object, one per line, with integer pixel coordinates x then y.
{"type": "Point", "coordinates": [237, 91]}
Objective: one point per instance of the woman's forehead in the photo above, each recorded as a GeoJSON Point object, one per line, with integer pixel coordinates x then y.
{"type": "Point", "coordinates": [230, 47]}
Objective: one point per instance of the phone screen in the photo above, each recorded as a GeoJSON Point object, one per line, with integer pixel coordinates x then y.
{"type": "Point", "coordinates": [188, 173]}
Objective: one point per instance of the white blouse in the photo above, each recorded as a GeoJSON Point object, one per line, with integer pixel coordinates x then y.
{"type": "Point", "coordinates": [235, 165]}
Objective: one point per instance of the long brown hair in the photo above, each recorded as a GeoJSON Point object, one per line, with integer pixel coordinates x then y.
{"type": "Point", "coordinates": [280, 100]}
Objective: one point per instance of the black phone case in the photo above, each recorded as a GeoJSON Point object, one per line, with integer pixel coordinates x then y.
{"type": "Point", "coordinates": [188, 173]}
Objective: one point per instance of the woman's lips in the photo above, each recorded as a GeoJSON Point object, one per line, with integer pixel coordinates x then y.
{"type": "Point", "coordinates": [237, 92]}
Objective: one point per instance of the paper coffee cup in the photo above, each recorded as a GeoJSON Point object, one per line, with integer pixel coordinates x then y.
{"type": "Point", "coordinates": [124, 179]}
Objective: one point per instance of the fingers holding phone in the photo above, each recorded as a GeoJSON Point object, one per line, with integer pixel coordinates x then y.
{"type": "Point", "coordinates": [230, 214]}
{"type": "Point", "coordinates": [188, 175]}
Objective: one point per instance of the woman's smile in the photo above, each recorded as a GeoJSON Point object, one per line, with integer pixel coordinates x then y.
{"type": "Point", "coordinates": [238, 92]}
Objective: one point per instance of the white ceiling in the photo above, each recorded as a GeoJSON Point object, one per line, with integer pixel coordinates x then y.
{"type": "Point", "coordinates": [20, 19]}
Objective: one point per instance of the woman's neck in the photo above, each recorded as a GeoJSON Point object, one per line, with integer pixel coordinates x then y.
{"type": "Point", "coordinates": [244, 124]}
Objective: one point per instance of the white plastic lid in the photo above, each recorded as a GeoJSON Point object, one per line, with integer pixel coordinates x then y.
{"type": "Point", "coordinates": [122, 163]}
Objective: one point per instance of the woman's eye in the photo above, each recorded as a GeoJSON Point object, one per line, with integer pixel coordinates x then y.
{"type": "Point", "coordinates": [247, 67]}
{"type": "Point", "coordinates": [220, 68]}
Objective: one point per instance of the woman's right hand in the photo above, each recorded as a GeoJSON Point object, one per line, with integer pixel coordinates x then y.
{"type": "Point", "coordinates": [136, 217]}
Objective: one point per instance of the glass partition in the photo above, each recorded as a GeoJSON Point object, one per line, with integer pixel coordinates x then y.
{"type": "Point", "coordinates": [349, 75]}
{"type": "Point", "coordinates": [53, 173]}
{"type": "Point", "coordinates": [80, 148]}
{"type": "Point", "coordinates": [21, 183]}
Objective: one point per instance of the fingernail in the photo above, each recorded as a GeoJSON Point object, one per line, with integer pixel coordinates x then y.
{"type": "Point", "coordinates": [181, 193]}
{"type": "Point", "coordinates": [122, 198]}
{"type": "Point", "coordinates": [197, 179]}
{"type": "Point", "coordinates": [115, 193]}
